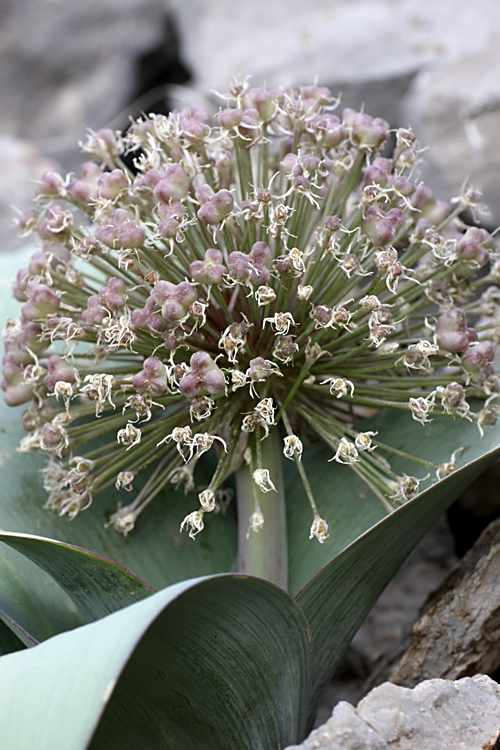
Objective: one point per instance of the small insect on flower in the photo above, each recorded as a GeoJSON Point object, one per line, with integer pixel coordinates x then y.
{"type": "Point", "coordinates": [213, 299]}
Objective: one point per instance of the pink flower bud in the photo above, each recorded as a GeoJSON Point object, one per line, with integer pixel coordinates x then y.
{"type": "Point", "coordinates": [332, 224]}
{"type": "Point", "coordinates": [285, 348]}
{"type": "Point", "coordinates": [471, 248]}
{"type": "Point", "coordinates": [106, 235]}
{"type": "Point", "coordinates": [59, 369]}
{"type": "Point", "coordinates": [229, 118]}
{"type": "Point", "coordinates": [204, 193]}
{"type": "Point", "coordinates": [378, 227]}
{"type": "Point", "coordinates": [210, 270]}
{"type": "Point", "coordinates": [397, 218]}
{"type": "Point", "coordinates": [112, 184]}
{"type": "Point", "coordinates": [15, 395]}
{"type": "Point", "coordinates": [19, 288]}
{"type": "Point", "coordinates": [30, 338]}
{"type": "Point", "coordinates": [95, 312]}
{"type": "Point", "coordinates": [175, 299]}
{"type": "Point", "coordinates": [215, 210]}
{"type": "Point", "coordinates": [321, 94]}
{"type": "Point", "coordinates": [130, 235]}
{"type": "Point", "coordinates": [322, 314]}
{"type": "Point", "coordinates": [195, 123]}
{"type": "Point", "coordinates": [451, 331]}
{"type": "Point", "coordinates": [152, 379]}
{"type": "Point", "coordinates": [403, 185]}
{"type": "Point", "coordinates": [378, 173]}
{"type": "Point", "coordinates": [120, 215]}
{"type": "Point", "coordinates": [249, 128]}
{"type": "Point", "coordinates": [168, 229]}
{"type": "Point", "coordinates": [152, 177]}
{"type": "Point", "coordinates": [41, 302]}
{"type": "Point", "coordinates": [260, 257]}
{"type": "Point", "coordinates": [112, 296]}
{"type": "Point", "coordinates": [265, 102]}
{"type": "Point", "coordinates": [86, 189]}
{"type": "Point", "coordinates": [171, 211]}
{"type": "Point", "coordinates": [239, 266]}
{"type": "Point", "coordinates": [328, 130]}
{"type": "Point", "coordinates": [149, 317]}
{"type": "Point", "coordinates": [204, 379]}
{"type": "Point", "coordinates": [28, 221]}
{"type": "Point", "coordinates": [58, 225]}
{"type": "Point", "coordinates": [291, 165]}
{"type": "Point", "coordinates": [51, 436]}
{"type": "Point", "coordinates": [174, 186]}
{"type": "Point", "coordinates": [477, 356]}
{"type": "Point", "coordinates": [200, 114]}
{"type": "Point", "coordinates": [433, 210]}
{"type": "Point", "coordinates": [369, 132]}
{"type": "Point", "coordinates": [52, 185]}
{"type": "Point", "coordinates": [14, 353]}
{"type": "Point", "coordinates": [12, 372]}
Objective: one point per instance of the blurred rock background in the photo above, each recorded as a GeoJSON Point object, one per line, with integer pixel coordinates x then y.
{"type": "Point", "coordinates": [67, 65]}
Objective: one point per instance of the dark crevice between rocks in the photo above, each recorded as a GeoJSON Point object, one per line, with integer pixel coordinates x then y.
{"type": "Point", "coordinates": [475, 509]}
{"type": "Point", "coordinates": [156, 70]}
{"type": "Point", "coordinates": [159, 67]}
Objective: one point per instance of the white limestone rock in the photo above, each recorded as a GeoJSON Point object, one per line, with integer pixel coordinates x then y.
{"type": "Point", "coordinates": [435, 715]}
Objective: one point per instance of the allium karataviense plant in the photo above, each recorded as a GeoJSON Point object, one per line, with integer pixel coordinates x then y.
{"type": "Point", "coordinates": [253, 281]}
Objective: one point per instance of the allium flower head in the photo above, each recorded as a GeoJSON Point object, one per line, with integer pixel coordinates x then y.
{"type": "Point", "coordinates": [263, 268]}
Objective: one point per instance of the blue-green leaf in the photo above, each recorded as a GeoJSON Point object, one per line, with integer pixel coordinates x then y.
{"type": "Point", "coordinates": [219, 663]}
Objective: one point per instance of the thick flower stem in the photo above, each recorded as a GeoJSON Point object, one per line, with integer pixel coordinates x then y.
{"type": "Point", "coordinates": [263, 553]}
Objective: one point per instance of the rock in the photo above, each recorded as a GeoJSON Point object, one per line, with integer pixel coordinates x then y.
{"type": "Point", "coordinates": [459, 633]}
{"type": "Point", "coordinates": [435, 715]}
{"type": "Point", "coordinates": [68, 65]}
{"type": "Point", "coordinates": [344, 43]}
{"type": "Point", "coordinates": [454, 109]}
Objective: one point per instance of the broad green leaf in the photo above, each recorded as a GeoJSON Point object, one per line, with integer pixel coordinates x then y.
{"type": "Point", "coordinates": [156, 551]}
{"type": "Point", "coordinates": [30, 600]}
{"type": "Point", "coordinates": [338, 599]}
{"type": "Point", "coordinates": [349, 507]}
{"type": "Point", "coordinates": [97, 586]}
{"type": "Point", "coordinates": [220, 663]}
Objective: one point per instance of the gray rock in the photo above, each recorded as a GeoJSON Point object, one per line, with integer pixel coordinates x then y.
{"type": "Point", "coordinates": [68, 65]}
{"type": "Point", "coordinates": [454, 109]}
{"type": "Point", "coordinates": [435, 715]}
{"type": "Point", "coordinates": [346, 43]}
{"type": "Point", "coordinates": [459, 633]}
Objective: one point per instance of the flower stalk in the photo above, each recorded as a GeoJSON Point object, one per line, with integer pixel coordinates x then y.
{"type": "Point", "coordinates": [262, 539]}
